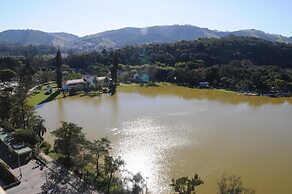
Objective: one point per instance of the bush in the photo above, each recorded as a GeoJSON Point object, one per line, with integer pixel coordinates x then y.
{"type": "Point", "coordinates": [46, 147]}
{"type": "Point", "coordinates": [26, 135]}
{"type": "Point", "coordinates": [7, 126]}
{"type": "Point", "coordinates": [233, 184]}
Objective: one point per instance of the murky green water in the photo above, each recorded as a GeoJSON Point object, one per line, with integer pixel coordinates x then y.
{"type": "Point", "coordinates": [170, 131]}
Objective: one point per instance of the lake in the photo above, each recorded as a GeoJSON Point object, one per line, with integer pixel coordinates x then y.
{"type": "Point", "coordinates": [168, 131]}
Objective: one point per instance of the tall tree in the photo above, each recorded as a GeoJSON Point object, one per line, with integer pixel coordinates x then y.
{"type": "Point", "coordinates": [114, 73]}
{"type": "Point", "coordinates": [114, 69]}
{"type": "Point", "coordinates": [112, 165]}
{"type": "Point", "coordinates": [58, 69]}
{"type": "Point", "coordinates": [6, 104]}
{"type": "Point", "coordinates": [69, 138]}
{"type": "Point", "coordinates": [83, 158]}
{"type": "Point", "coordinates": [100, 148]}
{"type": "Point", "coordinates": [21, 114]}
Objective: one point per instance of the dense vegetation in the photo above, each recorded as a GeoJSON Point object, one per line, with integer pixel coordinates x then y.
{"type": "Point", "coordinates": [235, 63]}
{"type": "Point", "coordinates": [16, 115]}
{"type": "Point", "coordinates": [30, 50]}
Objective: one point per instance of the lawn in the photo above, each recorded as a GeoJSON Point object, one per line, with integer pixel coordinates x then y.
{"type": "Point", "coordinates": [54, 155]}
{"type": "Point", "coordinates": [39, 97]}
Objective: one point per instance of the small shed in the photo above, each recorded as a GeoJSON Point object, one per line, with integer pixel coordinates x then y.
{"type": "Point", "coordinates": [145, 78]}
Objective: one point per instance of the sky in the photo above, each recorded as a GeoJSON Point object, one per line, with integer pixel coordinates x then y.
{"type": "Point", "coordinates": [84, 17]}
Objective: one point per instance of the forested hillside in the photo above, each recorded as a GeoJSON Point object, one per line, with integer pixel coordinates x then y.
{"type": "Point", "coordinates": [236, 63]}
{"type": "Point", "coordinates": [128, 36]}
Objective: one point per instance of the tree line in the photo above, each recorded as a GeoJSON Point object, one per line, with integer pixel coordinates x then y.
{"type": "Point", "coordinates": [234, 63]}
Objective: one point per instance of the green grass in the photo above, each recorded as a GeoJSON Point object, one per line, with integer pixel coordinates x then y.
{"type": "Point", "coordinates": [35, 99]}
{"type": "Point", "coordinates": [128, 85]}
{"type": "Point", "coordinates": [224, 90]}
{"type": "Point", "coordinates": [54, 155]}
{"type": "Point", "coordinates": [136, 84]}
{"type": "Point", "coordinates": [40, 97]}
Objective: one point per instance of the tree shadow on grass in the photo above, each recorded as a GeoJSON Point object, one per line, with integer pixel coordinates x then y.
{"type": "Point", "coordinates": [53, 96]}
{"type": "Point", "coordinates": [61, 181]}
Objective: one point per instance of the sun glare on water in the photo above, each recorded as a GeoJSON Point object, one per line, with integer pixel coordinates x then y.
{"type": "Point", "coordinates": [145, 145]}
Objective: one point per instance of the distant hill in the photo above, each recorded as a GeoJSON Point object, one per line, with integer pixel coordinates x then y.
{"type": "Point", "coordinates": [26, 37]}
{"type": "Point", "coordinates": [35, 37]}
{"type": "Point", "coordinates": [127, 36]}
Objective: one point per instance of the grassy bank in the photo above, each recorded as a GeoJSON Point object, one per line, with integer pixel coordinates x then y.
{"type": "Point", "coordinates": [136, 84]}
{"type": "Point", "coordinates": [171, 84]}
{"type": "Point", "coordinates": [38, 96]}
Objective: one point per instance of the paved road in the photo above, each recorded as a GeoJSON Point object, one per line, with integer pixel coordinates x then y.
{"type": "Point", "coordinates": [51, 180]}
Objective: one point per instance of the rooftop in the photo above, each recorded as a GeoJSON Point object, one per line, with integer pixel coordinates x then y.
{"type": "Point", "coordinates": [23, 150]}
{"type": "Point", "coordinates": [75, 81]}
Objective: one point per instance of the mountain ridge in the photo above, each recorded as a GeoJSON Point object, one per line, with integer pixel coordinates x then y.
{"type": "Point", "coordinates": [127, 36]}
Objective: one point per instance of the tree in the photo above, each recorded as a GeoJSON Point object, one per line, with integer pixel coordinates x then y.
{"type": "Point", "coordinates": [112, 165]}
{"type": "Point", "coordinates": [233, 185]}
{"type": "Point", "coordinates": [25, 80]}
{"type": "Point", "coordinates": [22, 114]}
{"type": "Point", "coordinates": [138, 183]}
{"type": "Point", "coordinates": [59, 69]}
{"type": "Point", "coordinates": [69, 138]}
{"type": "Point", "coordinates": [7, 126]}
{"type": "Point", "coordinates": [6, 103]}
{"type": "Point", "coordinates": [26, 135]}
{"type": "Point", "coordinates": [184, 185]}
{"type": "Point", "coordinates": [37, 125]}
{"type": "Point", "coordinates": [114, 73]}
{"type": "Point", "coordinates": [100, 148]}
{"type": "Point", "coordinates": [83, 158]}
{"type": "Point", "coordinates": [6, 74]}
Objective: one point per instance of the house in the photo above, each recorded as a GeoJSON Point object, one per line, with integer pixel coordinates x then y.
{"type": "Point", "coordinates": [136, 77]}
{"type": "Point", "coordinates": [145, 78]}
{"type": "Point", "coordinates": [89, 79]}
{"type": "Point", "coordinates": [75, 84]}
{"type": "Point", "coordinates": [204, 84]}
{"type": "Point", "coordinates": [79, 84]}
{"type": "Point", "coordinates": [104, 81]}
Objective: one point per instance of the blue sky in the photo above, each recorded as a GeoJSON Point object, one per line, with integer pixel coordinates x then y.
{"type": "Point", "coordinates": [83, 17]}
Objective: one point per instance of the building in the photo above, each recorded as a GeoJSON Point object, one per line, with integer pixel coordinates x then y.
{"type": "Point", "coordinates": [89, 79]}
{"type": "Point", "coordinates": [104, 81]}
{"type": "Point", "coordinates": [204, 84]}
{"type": "Point", "coordinates": [145, 78]}
{"type": "Point", "coordinates": [74, 84]}
{"type": "Point", "coordinates": [136, 77]}
{"type": "Point", "coordinates": [79, 84]}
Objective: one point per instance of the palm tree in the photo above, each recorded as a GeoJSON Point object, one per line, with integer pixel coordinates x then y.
{"type": "Point", "coordinates": [39, 127]}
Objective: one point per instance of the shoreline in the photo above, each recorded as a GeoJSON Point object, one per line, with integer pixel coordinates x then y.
{"type": "Point", "coordinates": [40, 98]}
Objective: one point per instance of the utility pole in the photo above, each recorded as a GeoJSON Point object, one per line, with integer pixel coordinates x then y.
{"type": "Point", "coordinates": [20, 175]}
